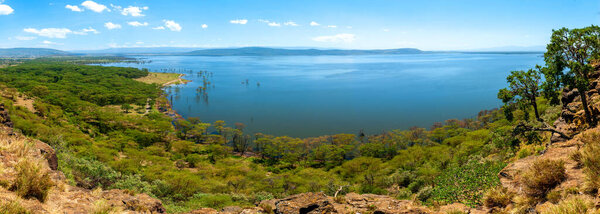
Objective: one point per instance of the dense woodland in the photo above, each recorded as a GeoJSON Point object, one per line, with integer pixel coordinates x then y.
{"type": "Point", "coordinates": [190, 163]}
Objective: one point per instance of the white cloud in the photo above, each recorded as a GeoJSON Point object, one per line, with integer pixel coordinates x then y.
{"type": "Point", "coordinates": [386, 30]}
{"type": "Point", "coordinates": [85, 31]}
{"type": "Point", "coordinates": [137, 24]}
{"type": "Point", "coordinates": [93, 6]}
{"type": "Point", "coordinates": [74, 8]}
{"type": "Point", "coordinates": [48, 42]}
{"type": "Point", "coordinates": [344, 37]}
{"type": "Point", "coordinates": [111, 26]}
{"type": "Point", "coordinates": [159, 28]}
{"type": "Point", "coordinates": [239, 21]}
{"type": "Point", "coordinates": [204, 26]}
{"type": "Point", "coordinates": [60, 33]}
{"type": "Point", "coordinates": [290, 23]}
{"type": "Point", "coordinates": [274, 24]}
{"type": "Point", "coordinates": [133, 11]}
{"type": "Point", "coordinates": [331, 26]}
{"type": "Point", "coordinates": [172, 25]}
{"type": "Point", "coordinates": [313, 23]}
{"type": "Point", "coordinates": [5, 9]}
{"type": "Point", "coordinates": [25, 38]}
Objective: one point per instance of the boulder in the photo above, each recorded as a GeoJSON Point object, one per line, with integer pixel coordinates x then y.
{"type": "Point", "coordinates": [305, 203]}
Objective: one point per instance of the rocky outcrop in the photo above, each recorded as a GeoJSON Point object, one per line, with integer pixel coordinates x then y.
{"type": "Point", "coordinates": [62, 197]}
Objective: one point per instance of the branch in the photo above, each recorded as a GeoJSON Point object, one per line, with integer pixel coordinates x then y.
{"type": "Point", "coordinates": [545, 128]}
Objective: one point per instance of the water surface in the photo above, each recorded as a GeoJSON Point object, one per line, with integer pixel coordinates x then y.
{"type": "Point", "coordinates": [305, 96]}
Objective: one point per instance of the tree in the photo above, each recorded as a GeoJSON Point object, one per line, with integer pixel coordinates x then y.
{"type": "Point", "coordinates": [524, 87]}
{"type": "Point", "coordinates": [574, 49]}
{"type": "Point", "coordinates": [126, 107]}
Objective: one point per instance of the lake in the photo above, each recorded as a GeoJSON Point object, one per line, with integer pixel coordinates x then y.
{"type": "Point", "coordinates": [303, 96]}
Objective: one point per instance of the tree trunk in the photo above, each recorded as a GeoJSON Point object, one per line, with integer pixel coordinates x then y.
{"type": "Point", "coordinates": [535, 108]}
{"type": "Point", "coordinates": [588, 114]}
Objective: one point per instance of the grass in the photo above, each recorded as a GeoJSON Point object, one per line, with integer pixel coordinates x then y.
{"type": "Point", "coordinates": [498, 197]}
{"type": "Point", "coordinates": [103, 207]}
{"type": "Point", "coordinates": [161, 78]}
{"type": "Point", "coordinates": [574, 204]}
{"type": "Point", "coordinates": [542, 176]}
{"type": "Point", "coordinates": [33, 180]}
{"type": "Point", "coordinates": [12, 207]}
{"type": "Point", "coordinates": [591, 161]}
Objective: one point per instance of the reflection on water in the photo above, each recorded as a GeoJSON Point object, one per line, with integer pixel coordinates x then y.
{"type": "Point", "coordinates": [316, 95]}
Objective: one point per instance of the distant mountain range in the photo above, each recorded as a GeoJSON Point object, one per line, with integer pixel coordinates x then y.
{"type": "Point", "coordinates": [31, 52]}
{"type": "Point", "coordinates": [246, 51]}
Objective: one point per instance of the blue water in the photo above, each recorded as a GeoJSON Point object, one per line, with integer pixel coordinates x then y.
{"type": "Point", "coordinates": [304, 96]}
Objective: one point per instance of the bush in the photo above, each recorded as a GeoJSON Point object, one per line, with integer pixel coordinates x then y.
{"type": "Point", "coordinates": [542, 176]}
{"type": "Point", "coordinates": [498, 197]}
{"type": "Point", "coordinates": [424, 194]}
{"type": "Point", "coordinates": [403, 194]}
{"type": "Point", "coordinates": [12, 207]}
{"type": "Point", "coordinates": [574, 204]}
{"type": "Point", "coordinates": [33, 180]}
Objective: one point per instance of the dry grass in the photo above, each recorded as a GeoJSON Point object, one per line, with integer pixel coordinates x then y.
{"type": "Point", "coordinates": [103, 207]}
{"type": "Point", "coordinates": [18, 146]}
{"type": "Point", "coordinates": [498, 197]}
{"type": "Point", "coordinates": [12, 207]}
{"type": "Point", "coordinates": [162, 78]}
{"type": "Point", "coordinates": [591, 161]}
{"type": "Point", "coordinates": [33, 179]}
{"type": "Point", "coordinates": [542, 176]}
{"type": "Point", "coordinates": [574, 204]}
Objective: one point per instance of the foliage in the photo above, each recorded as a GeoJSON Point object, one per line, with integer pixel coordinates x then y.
{"type": "Point", "coordinates": [591, 161]}
{"type": "Point", "coordinates": [466, 183]}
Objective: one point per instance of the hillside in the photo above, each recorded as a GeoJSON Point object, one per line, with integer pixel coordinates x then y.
{"type": "Point", "coordinates": [31, 52]}
{"type": "Point", "coordinates": [106, 138]}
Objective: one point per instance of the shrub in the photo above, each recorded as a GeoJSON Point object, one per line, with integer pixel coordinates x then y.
{"type": "Point", "coordinates": [424, 194]}
{"type": "Point", "coordinates": [574, 204]}
{"type": "Point", "coordinates": [498, 197]}
{"type": "Point", "coordinates": [403, 194]}
{"type": "Point", "coordinates": [33, 180]}
{"type": "Point", "coordinates": [12, 207]}
{"type": "Point", "coordinates": [542, 176]}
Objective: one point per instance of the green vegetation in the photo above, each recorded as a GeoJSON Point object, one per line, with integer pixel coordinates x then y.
{"type": "Point", "coordinates": [189, 163]}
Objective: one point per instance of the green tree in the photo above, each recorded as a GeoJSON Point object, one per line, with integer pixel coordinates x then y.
{"type": "Point", "coordinates": [126, 107]}
{"type": "Point", "coordinates": [524, 87]}
{"type": "Point", "coordinates": [574, 49]}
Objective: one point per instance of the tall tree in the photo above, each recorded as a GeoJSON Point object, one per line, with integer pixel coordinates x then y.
{"type": "Point", "coordinates": [575, 49]}
{"type": "Point", "coordinates": [524, 88]}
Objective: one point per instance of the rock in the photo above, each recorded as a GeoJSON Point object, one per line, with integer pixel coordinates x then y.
{"type": "Point", "coordinates": [455, 208]}
{"type": "Point", "coordinates": [204, 211]}
{"type": "Point", "coordinates": [48, 153]}
{"type": "Point", "coordinates": [138, 203]}
{"type": "Point", "coordinates": [568, 96]}
{"type": "Point", "coordinates": [305, 203]}
{"type": "Point", "coordinates": [232, 210]}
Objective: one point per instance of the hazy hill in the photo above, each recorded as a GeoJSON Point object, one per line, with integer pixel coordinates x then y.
{"type": "Point", "coordinates": [31, 52]}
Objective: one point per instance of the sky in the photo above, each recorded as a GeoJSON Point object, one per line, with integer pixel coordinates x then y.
{"type": "Point", "coordinates": [345, 24]}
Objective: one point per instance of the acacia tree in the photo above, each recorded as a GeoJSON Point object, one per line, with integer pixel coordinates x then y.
{"type": "Point", "coordinates": [574, 49]}
{"type": "Point", "coordinates": [524, 87]}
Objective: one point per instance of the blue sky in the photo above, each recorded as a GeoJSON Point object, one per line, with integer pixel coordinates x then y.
{"type": "Point", "coordinates": [348, 24]}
